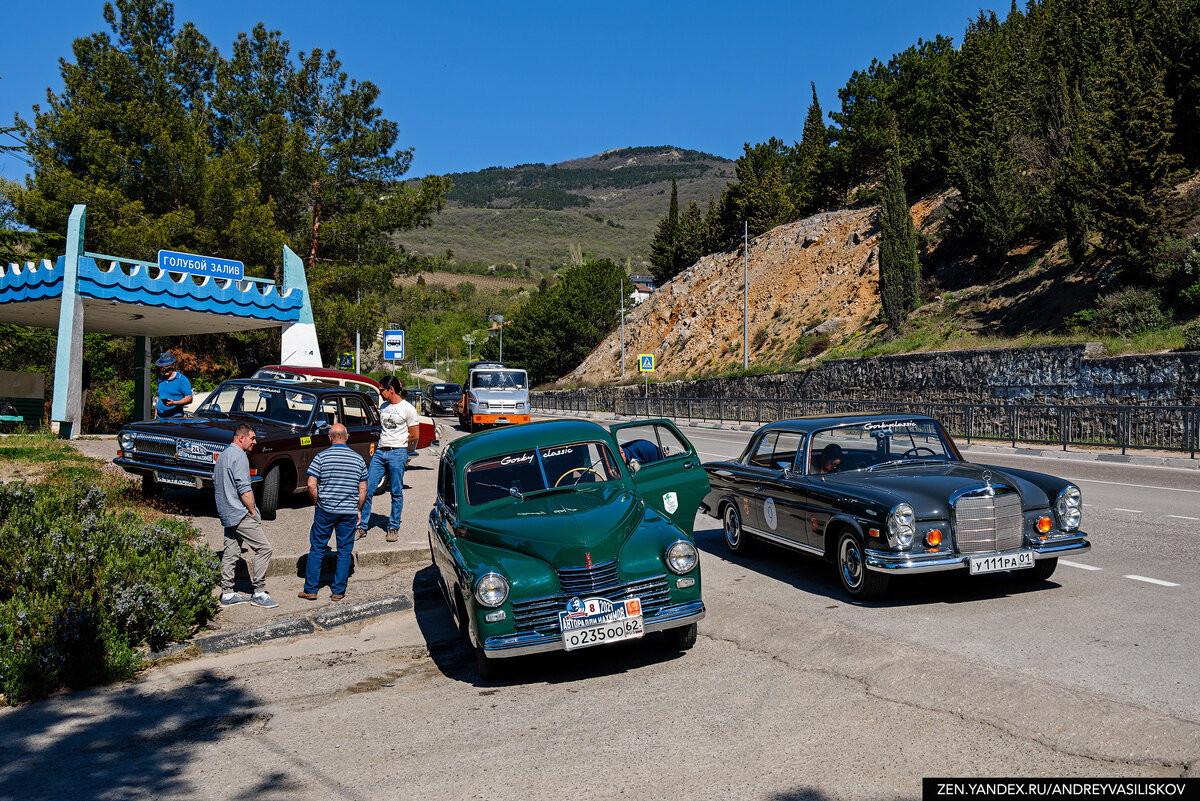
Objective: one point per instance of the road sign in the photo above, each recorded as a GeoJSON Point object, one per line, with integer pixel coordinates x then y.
{"type": "Point", "coordinates": [393, 346]}
{"type": "Point", "coordinates": [200, 265]}
{"type": "Point", "coordinates": [646, 362]}
{"type": "Point", "coordinates": [345, 361]}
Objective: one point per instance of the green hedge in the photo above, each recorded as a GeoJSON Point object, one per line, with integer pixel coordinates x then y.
{"type": "Point", "coordinates": [83, 587]}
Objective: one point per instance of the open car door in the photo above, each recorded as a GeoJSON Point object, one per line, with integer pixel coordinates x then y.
{"type": "Point", "coordinates": [669, 474]}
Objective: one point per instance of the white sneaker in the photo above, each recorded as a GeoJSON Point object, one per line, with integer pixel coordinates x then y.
{"type": "Point", "coordinates": [263, 600]}
{"type": "Point", "coordinates": [233, 598]}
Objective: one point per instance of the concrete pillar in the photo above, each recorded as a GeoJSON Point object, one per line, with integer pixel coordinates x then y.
{"type": "Point", "coordinates": [143, 379]}
{"type": "Point", "coordinates": [65, 411]}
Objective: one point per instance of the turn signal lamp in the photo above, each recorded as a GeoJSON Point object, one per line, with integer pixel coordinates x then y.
{"type": "Point", "coordinates": [1043, 524]}
{"type": "Point", "coordinates": [253, 472]}
{"type": "Point", "coordinates": [933, 538]}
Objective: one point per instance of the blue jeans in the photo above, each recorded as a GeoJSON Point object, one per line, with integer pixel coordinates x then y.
{"type": "Point", "coordinates": [324, 523]}
{"type": "Point", "coordinates": [393, 463]}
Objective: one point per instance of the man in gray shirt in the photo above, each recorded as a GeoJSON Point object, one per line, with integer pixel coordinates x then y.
{"type": "Point", "coordinates": [243, 526]}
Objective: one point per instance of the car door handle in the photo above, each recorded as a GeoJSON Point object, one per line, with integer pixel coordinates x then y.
{"type": "Point", "coordinates": [688, 465]}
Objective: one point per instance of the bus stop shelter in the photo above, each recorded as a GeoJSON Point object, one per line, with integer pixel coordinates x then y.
{"type": "Point", "coordinates": [94, 292]}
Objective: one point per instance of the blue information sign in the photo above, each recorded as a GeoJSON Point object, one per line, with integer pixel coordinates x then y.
{"type": "Point", "coordinates": [345, 361]}
{"type": "Point", "coordinates": [646, 362]}
{"type": "Point", "coordinates": [200, 265]}
{"type": "Point", "coordinates": [393, 346]}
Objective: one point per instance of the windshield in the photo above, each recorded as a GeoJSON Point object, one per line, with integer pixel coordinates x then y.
{"type": "Point", "coordinates": [872, 444]}
{"type": "Point", "coordinates": [446, 389]}
{"type": "Point", "coordinates": [287, 406]}
{"type": "Point", "coordinates": [498, 379]}
{"type": "Point", "coordinates": [518, 474]}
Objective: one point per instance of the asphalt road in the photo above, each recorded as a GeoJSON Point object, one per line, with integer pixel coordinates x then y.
{"type": "Point", "coordinates": [791, 692]}
{"type": "Point", "coordinates": [1119, 620]}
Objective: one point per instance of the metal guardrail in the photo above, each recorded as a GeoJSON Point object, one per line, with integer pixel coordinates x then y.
{"type": "Point", "coordinates": [1167, 428]}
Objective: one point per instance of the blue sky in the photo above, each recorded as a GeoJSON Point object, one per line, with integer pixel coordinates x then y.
{"type": "Point", "coordinates": [482, 84]}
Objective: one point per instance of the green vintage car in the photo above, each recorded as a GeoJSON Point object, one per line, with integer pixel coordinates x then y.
{"type": "Point", "coordinates": [563, 534]}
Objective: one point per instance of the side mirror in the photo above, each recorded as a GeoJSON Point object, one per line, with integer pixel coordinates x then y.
{"type": "Point", "coordinates": [634, 465]}
{"type": "Point", "coordinates": [321, 426]}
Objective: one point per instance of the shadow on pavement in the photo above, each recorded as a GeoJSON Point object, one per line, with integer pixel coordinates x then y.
{"type": "Point", "coordinates": [819, 577]}
{"type": "Point", "coordinates": [121, 743]}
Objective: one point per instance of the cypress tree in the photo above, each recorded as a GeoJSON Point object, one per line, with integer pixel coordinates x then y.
{"type": "Point", "coordinates": [664, 250]}
{"type": "Point", "coordinates": [899, 269]}
{"type": "Point", "coordinates": [810, 156]}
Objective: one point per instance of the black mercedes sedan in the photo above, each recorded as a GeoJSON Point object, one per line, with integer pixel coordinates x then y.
{"type": "Point", "coordinates": [887, 494]}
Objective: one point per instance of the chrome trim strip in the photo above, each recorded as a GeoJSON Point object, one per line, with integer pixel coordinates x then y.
{"type": "Point", "coordinates": [778, 540]}
{"type": "Point", "coordinates": [888, 562]}
{"type": "Point", "coordinates": [508, 645]}
{"type": "Point", "coordinates": [142, 468]}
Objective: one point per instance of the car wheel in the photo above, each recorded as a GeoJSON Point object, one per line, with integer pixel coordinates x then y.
{"type": "Point", "coordinates": [682, 638]}
{"type": "Point", "coordinates": [269, 504]}
{"type": "Point", "coordinates": [1042, 569]}
{"type": "Point", "coordinates": [736, 538]}
{"type": "Point", "coordinates": [862, 584]}
{"type": "Point", "coordinates": [489, 669]}
{"type": "Point", "coordinates": [151, 489]}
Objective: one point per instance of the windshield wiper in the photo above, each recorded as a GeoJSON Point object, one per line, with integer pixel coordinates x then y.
{"type": "Point", "coordinates": [513, 491]}
{"type": "Point", "coordinates": [894, 462]}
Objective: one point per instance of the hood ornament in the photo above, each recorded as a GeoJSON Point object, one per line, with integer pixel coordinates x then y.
{"type": "Point", "coordinates": [587, 560]}
{"type": "Point", "coordinates": [988, 489]}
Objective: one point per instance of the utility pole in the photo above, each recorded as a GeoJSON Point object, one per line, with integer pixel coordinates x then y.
{"type": "Point", "coordinates": [622, 326]}
{"type": "Point", "coordinates": [746, 296]}
{"type": "Point", "coordinates": [357, 343]}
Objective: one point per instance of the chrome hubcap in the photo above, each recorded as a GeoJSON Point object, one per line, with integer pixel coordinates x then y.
{"type": "Point", "coordinates": [733, 529]}
{"type": "Point", "coordinates": [851, 562]}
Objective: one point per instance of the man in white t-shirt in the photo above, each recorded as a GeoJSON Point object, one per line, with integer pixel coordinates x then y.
{"type": "Point", "coordinates": [399, 436]}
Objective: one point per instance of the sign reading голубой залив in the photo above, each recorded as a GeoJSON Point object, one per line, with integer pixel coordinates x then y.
{"type": "Point", "coordinates": [200, 265]}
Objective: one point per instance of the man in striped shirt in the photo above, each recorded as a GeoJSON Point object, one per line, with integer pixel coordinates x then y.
{"type": "Point", "coordinates": [337, 484]}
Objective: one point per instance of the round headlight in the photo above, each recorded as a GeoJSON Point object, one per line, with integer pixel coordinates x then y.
{"type": "Point", "coordinates": [681, 557]}
{"type": "Point", "coordinates": [125, 440]}
{"type": "Point", "coordinates": [491, 589]}
{"type": "Point", "coordinates": [901, 526]}
{"type": "Point", "coordinates": [1069, 507]}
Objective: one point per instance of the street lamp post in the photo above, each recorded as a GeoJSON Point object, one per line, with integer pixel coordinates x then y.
{"type": "Point", "coordinates": [622, 326]}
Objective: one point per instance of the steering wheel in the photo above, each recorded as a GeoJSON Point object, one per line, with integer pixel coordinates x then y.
{"type": "Point", "coordinates": [916, 451]}
{"type": "Point", "coordinates": [578, 470]}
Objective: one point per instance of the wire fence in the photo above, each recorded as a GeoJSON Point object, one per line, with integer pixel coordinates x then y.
{"type": "Point", "coordinates": [1166, 428]}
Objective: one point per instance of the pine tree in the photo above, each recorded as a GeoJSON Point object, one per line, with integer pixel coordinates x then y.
{"type": "Point", "coordinates": [1137, 168]}
{"type": "Point", "coordinates": [899, 269]}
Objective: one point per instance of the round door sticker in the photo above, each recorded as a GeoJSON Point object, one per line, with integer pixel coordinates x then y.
{"type": "Point", "coordinates": [769, 513]}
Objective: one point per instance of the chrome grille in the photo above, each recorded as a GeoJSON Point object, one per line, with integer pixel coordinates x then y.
{"type": "Point", "coordinates": [581, 580]}
{"type": "Point", "coordinates": [986, 523]}
{"type": "Point", "coordinates": [503, 406]}
{"type": "Point", "coordinates": [541, 614]}
{"type": "Point", "coordinates": [156, 445]}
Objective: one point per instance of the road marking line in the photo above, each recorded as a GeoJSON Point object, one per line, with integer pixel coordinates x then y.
{"type": "Point", "coordinates": [1153, 581]}
{"type": "Point", "coordinates": [1183, 517]}
{"type": "Point", "coordinates": [1140, 486]}
{"type": "Point", "coordinates": [1123, 509]}
{"type": "Point", "coordinates": [1078, 565]}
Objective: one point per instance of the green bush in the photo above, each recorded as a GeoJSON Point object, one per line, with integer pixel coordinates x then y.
{"type": "Point", "coordinates": [1191, 335]}
{"type": "Point", "coordinates": [1129, 312]}
{"type": "Point", "coordinates": [82, 587]}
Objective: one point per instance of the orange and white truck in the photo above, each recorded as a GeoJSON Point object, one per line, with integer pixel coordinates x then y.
{"type": "Point", "coordinates": [494, 394]}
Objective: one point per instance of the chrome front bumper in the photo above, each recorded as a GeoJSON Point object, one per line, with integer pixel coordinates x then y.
{"type": "Point", "coordinates": [507, 645]}
{"type": "Point", "coordinates": [891, 562]}
{"type": "Point", "coordinates": [202, 475]}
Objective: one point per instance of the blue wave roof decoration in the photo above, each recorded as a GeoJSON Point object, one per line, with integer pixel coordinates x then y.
{"type": "Point", "coordinates": [31, 281]}
{"type": "Point", "coordinates": [136, 284]}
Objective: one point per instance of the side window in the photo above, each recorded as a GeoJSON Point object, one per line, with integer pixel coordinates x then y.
{"type": "Point", "coordinates": [328, 413]}
{"type": "Point", "coordinates": [650, 443]}
{"type": "Point", "coordinates": [353, 413]}
{"type": "Point", "coordinates": [787, 446]}
{"type": "Point", "coordinates": [763, 451]}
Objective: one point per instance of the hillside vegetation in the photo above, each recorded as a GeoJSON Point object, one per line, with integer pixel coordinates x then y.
{"type": "Point", "coordinates": [605, 206]}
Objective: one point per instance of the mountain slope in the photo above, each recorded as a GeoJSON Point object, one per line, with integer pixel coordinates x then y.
{"type": "Point", "coordinates": [609, 205]}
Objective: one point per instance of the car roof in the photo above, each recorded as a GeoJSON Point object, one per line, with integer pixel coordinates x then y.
{"type": "Point", "coordinates": [314, 388]}
{"type": "Point", "coordinates": [525, 436]}
{"type": "Point", "coordinates": [815, 422]}
{"type": "Point", "coordinates": [323, 372]}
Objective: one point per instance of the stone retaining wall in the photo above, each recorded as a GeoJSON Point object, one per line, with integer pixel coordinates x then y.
{"type": "Point", "coordinates": [1052, 374]}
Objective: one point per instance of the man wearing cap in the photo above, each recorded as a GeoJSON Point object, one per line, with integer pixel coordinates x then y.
{"type": "Point", "coordinates": [174, 389]}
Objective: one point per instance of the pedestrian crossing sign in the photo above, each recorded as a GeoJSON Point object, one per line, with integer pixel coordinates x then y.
{"type": "Point", "coordinates": [646, 362]}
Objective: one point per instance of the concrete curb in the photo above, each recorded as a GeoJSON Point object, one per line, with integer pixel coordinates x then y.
{"type": "Point", "coordinates": [309, 624]}
{"type": "Point", "coordinates": [283, 564]}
